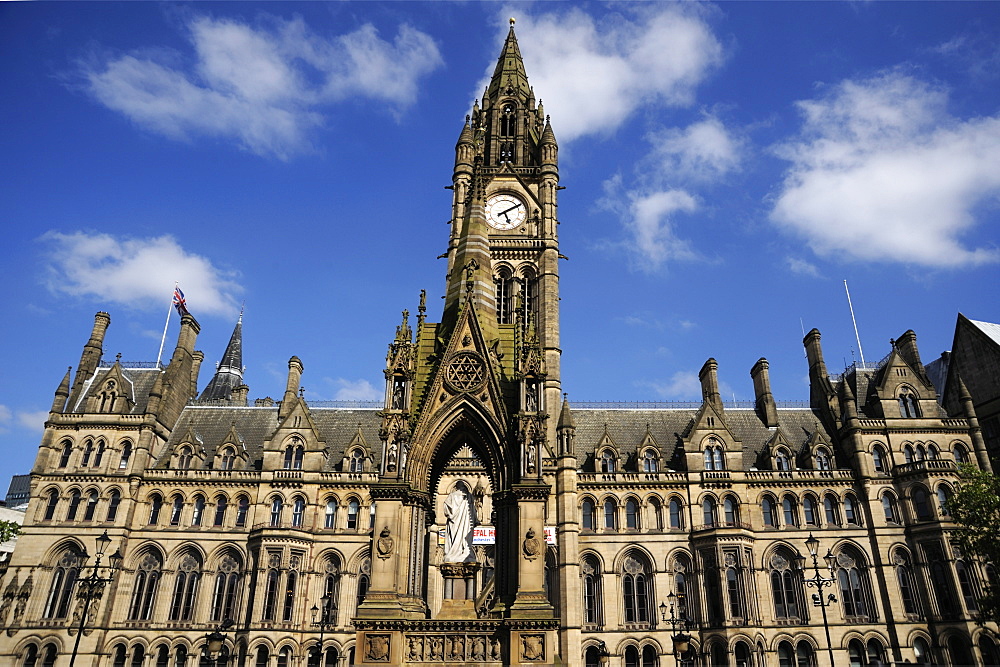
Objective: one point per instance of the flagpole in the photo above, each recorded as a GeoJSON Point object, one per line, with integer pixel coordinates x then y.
{"type": "Point", "coordinates": [856, 336]}
{"type": "Point", "coordinates": [163, 340]}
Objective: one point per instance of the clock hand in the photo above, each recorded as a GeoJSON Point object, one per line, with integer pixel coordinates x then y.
{"type": "Point", "coordinates": [504, 213]}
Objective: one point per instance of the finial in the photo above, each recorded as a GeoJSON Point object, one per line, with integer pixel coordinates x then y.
{"type": "Point", "coordinates": [242, 306]}
{"type": "Point", "coordinates": [302, 392]}
{"type": "Point", "coordinates": [118, 358]}
{"type": "Point", "coordinates": [512, 20]}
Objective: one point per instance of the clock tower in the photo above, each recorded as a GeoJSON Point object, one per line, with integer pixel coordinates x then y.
{"type": "Point", "coordinates": [478, 389]}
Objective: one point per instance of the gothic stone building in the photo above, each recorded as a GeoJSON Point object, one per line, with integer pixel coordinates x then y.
{"type": "Point", "coordinates": [312, 534]}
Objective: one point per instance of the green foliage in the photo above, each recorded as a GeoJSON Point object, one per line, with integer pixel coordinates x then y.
{"type": "Point", "coordinates": [8, 530]}
{"type": "Point", "coordinates": [975, 507]}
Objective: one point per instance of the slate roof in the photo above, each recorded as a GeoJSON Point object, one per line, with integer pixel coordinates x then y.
{"type": "Point", "coordinates": [627, 428]}
{"type": "Point", "coordinates": [990, 329]}
{"type": "Point", "coordinates": [254, 425]}
{"type": "Point", "coordinates": [229, 373]}
{"type": "Point", "coordinates": [138, 383]}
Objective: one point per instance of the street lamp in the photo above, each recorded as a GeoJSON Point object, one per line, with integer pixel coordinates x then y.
{"type": "Point", "coordinates": [91, 587]}
{"type": "Point", "coordinates": [681, 640]}
{"type": "Point", "coordinates": [327, 618]}
{"type": "Point", "coordinates": [605, 655]}
{"type": "Point", "coordinates": [216, 640]}
{"type": "Point", "coordinates": [819, 582]}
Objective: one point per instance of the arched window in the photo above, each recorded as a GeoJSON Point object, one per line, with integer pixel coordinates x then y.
{"type": "Point", "coordinates": [920, 453]}
{"type": "Point", "coordinates": [228, 459]}
{"type": "Point", "coordinates": [908, 406]}
{"type": "Point", "coordinates": [590, 570]}
{"type": "Point", "coordinates": [785, 656]}
{"type": "Point", "coordinates": [277, 505]}
{"type": "Point", "coordinates": [823, 459]}
{"type": "Point", "coordinates": [635, 587]}
{"type": "Point", "coordinates": [271, 594]}
{"type": "Point", "coordinates": [155, 504]}
{"type": "Point", "coordinates": [330, 516]}
{"type": "Point", "coordinates": [176, 507]}
{"type": "Point", "coordinates": [49, 654]}
{"type": "Point", "coordinates": [503, 283]}
{"type": "Point", "coordinates": [631, 514]}
{"type": "Point", "coordinates": [904, 577]}
{"type": "Point", "coordinates": [51, 504]}
{"type": "Point", "coordinates": [162, 656]}
{"type": "Point", "coordinates": [650, 461]}
{"type": "Point", "coordinates": [100, 453]}
{"type": "Point", "coordinates": [786, 586]}
{"type": "Point", "coordinates": [226, 590]}
{"type": "Point", "coordinates": [364, 580]}
{"type": "Point", "coordinates": [67, 450]}
{"type": "Point", "coordinates": [126, 455]}
{"type": "Point", "coordinates": [631, 656]}
{"type": "Point", "coordinates": [654, 514]}
{"type": "Point", "coordinates": [242, 509]}
{"type": "Point", "coordinates": [263, 657]}
{"type": "Point", "coordinates": [922, 651]}
{"type": "Point", "coordinates": [853, 586]}
{"type": "Point", "coordinates": [88, 449]}
{"type": "Point", "coordinates": [184, 458]}
{"type": "Point", "coordinates": [607, 461]}
{"type": "Point", "coordinates": [889, 508]}
{"type": "Point", "coordinates": [988, 647]}
{"type": "Point", "coordinates": [908, 455]}
{"type": "Point", "coordinates": [851, 513]}
{"type": "Point", "coordinates": [876, 653]}
{"type": "Point", "coordinates": [610, 514]}
{"type": "Point", "coordinates": [879, 459]}
{"type": "Point", "coordinates": [31, 656]}
{"type": "Point", "coordinates": [649, 658]}
{"type": "Point", "coordinates": [767, 511]}
{"type": "Point", "coordinates": [968, 585]}
{"type": "Point", "coordinates": [221, 505]}
{"type": "Point", "coordinates": [944, 496]}
{"type": "Point", "coordinates": [147, 581]}
{"type": "Point", "coordinates": [357, 461]}
{"type": "Point", "coordinates": [185, 588]}
{"type": "Point", "coordinates": [293, 455]}
{"type": "Point", "coordinates": [804, 655]}
{"type": "Point", "coordinates": [288, 607]}
{"type": "Point", "coordinates": [730, 510]}
{"type": "Point", "coordinates": [91, 508]}
{"type": "Point", "coordinates": [708, 511]}
{"type": "Point", "coordinates": [781, 460]}
{"type": "Point", "coordinates": [961, 454]}
{"type": "Point", "coordinates": [790, 513]}
{"type": "Point", "coordinates": [831, 507]}
{"type": "Point", "coordinates": [809, 511]}
{"type": "Point", "coordinates": [352, 514]}
{"type": "Point", "coordinates": [64, 577]}
{"type": "Point", "coordinates": [921, 507]}
{"type": "Point", "coordinates": [113, 503]}
{"type": "Point", "coordinates": [74, 505]}
{"type": "Point", "coordinates": [298, 511]}
{"type": "Point", "coordinates": [714, 458]}
{"type": "Point", "coordinates": [734, 590]}
{"type": "Point", "coordinates": [676, 514]}
{"type": "Point", "coordinates": [199, 510]}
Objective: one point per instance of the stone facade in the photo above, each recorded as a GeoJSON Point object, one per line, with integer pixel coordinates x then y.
{"type": "Point", "coordinates": [314, 534]}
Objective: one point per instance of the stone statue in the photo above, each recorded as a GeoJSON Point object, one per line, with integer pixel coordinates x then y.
{"type": "Point", "coordinates": [457, 547]}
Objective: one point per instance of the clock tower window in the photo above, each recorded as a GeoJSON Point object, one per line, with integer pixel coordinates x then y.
{"type": "Point", "coordinates": [504, 283]}
{"type": "Point", "coordinates": [508, 130]}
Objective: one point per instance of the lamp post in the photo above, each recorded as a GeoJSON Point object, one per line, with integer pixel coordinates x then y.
{"type": "Point", "coordinates": [819, 582]}
{"type": "Point", "coordinates": [215, 640]}
{"type": "Point", "coordinates": [326, 619]}
{"type": "Point", "coordinates": [681, 640]}
{"type": "Point", "coordinates": [605, 658]}
{"type": "Point", "coordinates": [91, 587]}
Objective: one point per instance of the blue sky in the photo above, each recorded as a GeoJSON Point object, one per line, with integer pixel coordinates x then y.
{"type": "Point", "coordinates": [726, 166]}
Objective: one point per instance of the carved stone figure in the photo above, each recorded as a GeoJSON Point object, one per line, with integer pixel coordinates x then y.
{"type": "Point", "coordinates": [458, 534]}
{"type": "Point", "coordinates": [479, 649]}
{"type": "Point", "coordinates": [437, 648]}
{"type": "Point", "coordinates": [416, 649]}
{"type": "Point", "coordinates": [377, 648]}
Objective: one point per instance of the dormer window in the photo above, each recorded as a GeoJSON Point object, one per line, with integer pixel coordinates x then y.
{"type": "Point", "coordinates": [822, 459]}
{"type": "Point", "coordinates": [357, 461]}
{"type": "Point", "coordinates": [228, 458]}
{"type": "Point", "coordinates": [293, 455]}
{"type": "Point", "coordinates": [781, 460]}
{"type": "Point", "coordinates": [607, 461]}
{"type": "Point", "coordinates": [108, 396]}
{"type": "Point", "coordinates": [714, 457]}
{"type": "Point", "coordinates": [649, 461]}
{"type": "Point", "coordinates": [184, 458]}
{"type": "Point", "coordinates": [908, 406]}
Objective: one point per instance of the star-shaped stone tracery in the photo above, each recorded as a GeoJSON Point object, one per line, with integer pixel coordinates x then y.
{"type": "Point", "coordinates": [466, 372]}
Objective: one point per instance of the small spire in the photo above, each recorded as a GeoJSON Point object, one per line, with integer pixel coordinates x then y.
{"type": "Point", "coordinates": [566, 415]}
{"type": "Point", "coordinates": [229, 371]}
{"type": "Point", "coordinates": [62, 393]}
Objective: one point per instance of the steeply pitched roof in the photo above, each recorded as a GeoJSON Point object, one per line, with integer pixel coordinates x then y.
{"type": "Point", "coordinates": [229, 373]}
{"type": "Point", "coordinates": [990, 329]}
{"type": "Point", "coordinates": [509, 72]}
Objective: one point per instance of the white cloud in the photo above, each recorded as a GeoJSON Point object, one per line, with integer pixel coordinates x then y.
{"type": "Point", "coordinates": [703, 151]}
{"type": "Point", "coordinates": [596, 74]}
{"type": "Point", "coordinates": [262, 86]}
{"type": "Point", "coordinates": [802, 267]}
{"type": "Point", "coordinates": [137, 272]}
{"type": "Point", "coordinates": [34, 421]}
{"type": "Point", "coordinates": [648, 221]}
{"type": "Point", "coordinates": [356, 390]}
{"type": "Point", "coordinates": [881, 171]}
{"type": "Point", "coordinates": [5, 415]}
{"type": "Point", "coordinates": [682, 385]}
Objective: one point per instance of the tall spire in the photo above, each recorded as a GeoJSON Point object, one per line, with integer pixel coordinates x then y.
{"type": "Point", "coordinates": [509, 74]}
{"type": "Point", "coordinates": [229, 373]}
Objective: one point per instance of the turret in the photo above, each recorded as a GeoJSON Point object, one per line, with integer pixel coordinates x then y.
{"type": "Point", "coordinates": [291, 387]}
{"type": "Point", "coordinates": [229, 373]}
{"type": "Point", "coordinates": [766, 407]}
{"type": "Point", "coordinates": [92, 351]}
{"type": "Point", "coordinates": [549, 147]}
{"type": "Point", "coordinates": [709, 377]}
{"type": "Point", "coordinates": [465, 151]}
{"type": "Point", "coordinates": [975, 431]}
{"type": "Point", "coordinates": [62, 393]}
{"type": "Point", "coordinates": [566, 429]}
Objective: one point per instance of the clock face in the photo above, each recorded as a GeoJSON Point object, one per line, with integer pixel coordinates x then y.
{"type": "Point", "coordinates": [505, 212]}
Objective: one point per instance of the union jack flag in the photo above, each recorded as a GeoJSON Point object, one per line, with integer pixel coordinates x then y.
{"type": "Point", "coordinates": [179, 303]}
